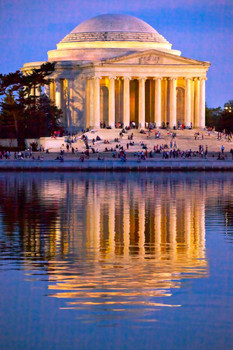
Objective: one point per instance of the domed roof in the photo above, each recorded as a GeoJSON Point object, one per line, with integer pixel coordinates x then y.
{"type": "Point", "coordinates": [114, 27]}
{"type": "Point", "coordinates": [114, 23]}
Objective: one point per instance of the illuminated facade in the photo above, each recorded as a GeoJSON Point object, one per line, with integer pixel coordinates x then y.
{"type": "Point", "coordinates": [117, 68]}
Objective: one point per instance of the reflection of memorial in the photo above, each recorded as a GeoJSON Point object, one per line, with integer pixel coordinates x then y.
{"type": "Point", "coordinates": [142, 223]}
{"type": "Point", "coordinates": [141, 240]}
{"type": "Point", "coordinates": [109, 239]}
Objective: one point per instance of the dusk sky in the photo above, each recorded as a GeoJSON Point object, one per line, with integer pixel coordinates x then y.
{"type": "Point", "coordinates": [200, 29]}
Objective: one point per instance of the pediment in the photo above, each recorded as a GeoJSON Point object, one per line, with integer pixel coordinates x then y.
{"type": "Point", "coordinates": [152, 57]}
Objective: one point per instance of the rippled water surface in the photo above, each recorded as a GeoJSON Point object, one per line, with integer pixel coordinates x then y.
{"type": "Point", "coordinates": [116, 261]}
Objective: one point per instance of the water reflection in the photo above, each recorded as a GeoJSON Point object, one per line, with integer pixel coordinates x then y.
{"type": "Point", "coordinates": [141, 239]}
{"type": "Point", "coordinates": [110, 243]}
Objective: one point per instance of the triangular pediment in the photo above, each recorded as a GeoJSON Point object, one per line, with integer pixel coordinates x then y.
{"type": "Point", "coordinates": [151, 57]}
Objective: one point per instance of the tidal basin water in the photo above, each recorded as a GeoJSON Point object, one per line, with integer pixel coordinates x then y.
{"type": "Point", "coordinates": [116, 261]}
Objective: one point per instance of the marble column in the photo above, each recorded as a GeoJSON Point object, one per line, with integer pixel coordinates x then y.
{"type": "Point", "coordinates": [188, 102]}
{"type": "Point", "coordinates": [58, 93]}
{"type": "Point", "coordinates": [141, 101]}
{"type": "Point", "coordinates": [197, 103]}
{"type": "Point", "coordinates": [111, 100]}
{"type": "Point", "coordinates": [38, 91]}
{"type": "Point", "coordinates": [96, 112]}
{"type": "Point", "coordinates": [70, 107]}
{"type": "Point", "coordinates": [47, 90]}
{"type": "Point", "coordinates": [91, 102]}
{"type": "Point", "coordinates": [52, 91]}
{"type": "Point", "coordinates": [157, 118]}
{"type": "Point", "coordinates": [32, 91]}
{"type": "Point", "coordinates": [172, 102]}
{"type": "Point", "coordinates": [202, 103]}
{"type": "Point", "coordinates": [126, 104]}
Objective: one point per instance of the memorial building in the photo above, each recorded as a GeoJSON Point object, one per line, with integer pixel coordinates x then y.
{"type": "Point", "coordinates": [118, 69]}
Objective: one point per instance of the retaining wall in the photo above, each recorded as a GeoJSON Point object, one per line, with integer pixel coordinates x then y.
{"type": "Point", "coordinates": [116, 165]}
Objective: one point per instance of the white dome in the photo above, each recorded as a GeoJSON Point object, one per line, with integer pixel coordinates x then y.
{"type": "Point", "coordinates": [114, 27]}
{"type": "Point", "coordinates": [114, 23]}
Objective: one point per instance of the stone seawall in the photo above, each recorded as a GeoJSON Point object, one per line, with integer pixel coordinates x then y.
{"type": "Point", "coordinates": [116, 165]}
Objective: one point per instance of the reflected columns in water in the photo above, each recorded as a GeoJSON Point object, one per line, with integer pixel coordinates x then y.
{"type": "Point", "coordinates": [172, 229]}
{"type": "Point", "coordinates": [120, 241]}
{"type": "Point", "coordinates": [126, 225]}
{"type": "Point", "coordinates": [112, 223]}
{"type": "Point", "coordinates": [141, 228]}
{"type": "Point", "coordinates": [157, 228]}
{"type": "Point", "coordinates": [187, 225]}
{"type": "Point", "coordinates": [96, 222]}
{"type": "Point", "coordinates": [146, 221]}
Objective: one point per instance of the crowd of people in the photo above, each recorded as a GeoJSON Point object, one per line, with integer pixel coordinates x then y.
{"type": "Point", "coordinates": [20, 155]}
{"type": "Point", "coordinates": [166, 151]}
{"type": "Point", "coordinates": [117, 149]}
{"type": "Point", "coordinates": [224, 136]}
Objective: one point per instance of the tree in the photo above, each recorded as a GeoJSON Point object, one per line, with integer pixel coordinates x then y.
{"type": "Point", "coordinates": [10, 115]}
{"type": "Point", "coordinates": [229, 106]}
{"type": "Point", "coordinates": [225, 121]}
{"type": "Point", "coordinates": [22, 110]}
{"type": "Point", "coordinates": [43, 118]}
{"type": "Point", "coordinates": [221, 119]}
{"type": "Point", "coordinates": [212, 116]}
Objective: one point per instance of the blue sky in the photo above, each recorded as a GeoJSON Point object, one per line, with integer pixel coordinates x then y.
{"type": "Point", "coordinates": [201, 29]}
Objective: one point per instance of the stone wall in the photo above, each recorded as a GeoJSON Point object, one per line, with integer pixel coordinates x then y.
{"type": "Point", "coordinates": [116, 165]}
{"type": "Point", "coordinates": [50, 143]}
{"type": "Point", "coordinates": [8, 142]}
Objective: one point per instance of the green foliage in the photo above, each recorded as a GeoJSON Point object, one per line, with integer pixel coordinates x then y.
{"type": "Point", "coordinates": [228, 106]}
{"type": "Point", "coordinates": [212, 116]}
{"type": "Point", "coordinates": [23, 113]}
{"type": "Point", "coordinates": [24, 83]}
{"type": "Point", "coordinates": [220, 119]}
{"type": "Point", "coordinates": [225, 121]}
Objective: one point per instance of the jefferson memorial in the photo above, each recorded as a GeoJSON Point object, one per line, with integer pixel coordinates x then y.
{"type": "Point", "coordinates": [118, 69]}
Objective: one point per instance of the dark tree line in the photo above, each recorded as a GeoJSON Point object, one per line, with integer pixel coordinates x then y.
{"type": "Point", "coordinates": [221, 119]}
{"type": "Point", "coordinates": [23, 112]}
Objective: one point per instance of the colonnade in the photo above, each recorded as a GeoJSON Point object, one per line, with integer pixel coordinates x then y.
{"type": "Point", "coordinates": [194, 101]}
{"type": "Point", "coordinates": [167, 108]}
